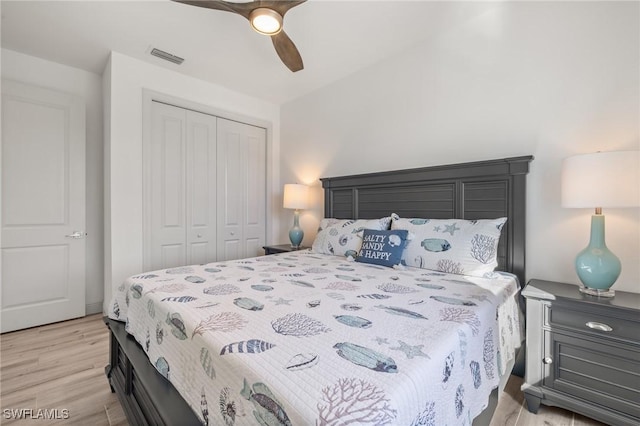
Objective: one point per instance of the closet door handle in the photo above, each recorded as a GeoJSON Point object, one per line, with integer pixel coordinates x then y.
{"type": "Point", "coordinates": [599, 326]}
{"type": "Point", "coordinates": [76, 235]}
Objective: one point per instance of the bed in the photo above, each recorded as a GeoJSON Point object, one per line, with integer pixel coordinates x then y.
{"type": "Point", "coordinates": [307, 337]}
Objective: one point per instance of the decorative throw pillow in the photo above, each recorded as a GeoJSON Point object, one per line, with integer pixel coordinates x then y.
{"type": "Point", "coordinates": [458, 246]}
{"type": "Point", "coordinates": [343, 237]}
{"type": "Point", "coordinates": [382, 247]}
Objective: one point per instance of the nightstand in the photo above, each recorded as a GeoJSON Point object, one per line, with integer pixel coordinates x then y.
{"type": "Point", "coordinates": [583, 352]}
{"type": "Point", "coordinates": [281, 248]}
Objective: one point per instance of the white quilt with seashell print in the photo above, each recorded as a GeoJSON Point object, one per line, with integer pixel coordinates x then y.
{"type": "Point", "coordinates": [303, 338]}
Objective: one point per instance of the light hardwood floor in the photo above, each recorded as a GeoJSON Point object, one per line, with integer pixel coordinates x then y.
{"type": "Point", "coordinates": [61, 366]}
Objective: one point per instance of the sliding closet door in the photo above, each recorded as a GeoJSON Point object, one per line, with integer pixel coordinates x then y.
{"type": "Point", "coordinates": [180, 211]}
{"type": "Point", "coordinates": [241, 189]}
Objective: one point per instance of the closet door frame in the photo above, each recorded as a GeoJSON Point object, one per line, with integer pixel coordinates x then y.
{"type": "Point", "coordinates": [149, 96]}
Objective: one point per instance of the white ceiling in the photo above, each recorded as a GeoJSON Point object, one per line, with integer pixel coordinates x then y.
{"type": "Point", "coordinates": [335, 38]}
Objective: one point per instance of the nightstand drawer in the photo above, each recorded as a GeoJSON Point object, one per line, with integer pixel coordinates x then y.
{"type": "Point", "coordinates": [594, 323]}
{"type": "Point", "coordinates": [592, 370]}
{"type": "Point", "coordinates": [596, 372]}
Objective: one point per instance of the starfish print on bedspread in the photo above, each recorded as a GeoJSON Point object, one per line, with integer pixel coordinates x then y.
{"type": "Point", "coordinates": [410, 351]}
{"type": "Point", "coordinates": [282, 301]}
{"type": "Point", "coordinates": [451, 229]}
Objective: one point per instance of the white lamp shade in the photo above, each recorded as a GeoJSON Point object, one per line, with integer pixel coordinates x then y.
{"type": "Point", "coordinates": [603, 179]}
{"type": "Point", "coordinates": [295, 196]}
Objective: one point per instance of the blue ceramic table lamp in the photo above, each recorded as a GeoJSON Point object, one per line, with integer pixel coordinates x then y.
{"type": "Point", "coordinates": [295, 197]}
{"type": "Point", "coordinates": [603, 179]}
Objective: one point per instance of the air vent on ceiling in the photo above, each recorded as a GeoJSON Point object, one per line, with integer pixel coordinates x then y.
{"type": "Point", "coordinates": [167, 56]}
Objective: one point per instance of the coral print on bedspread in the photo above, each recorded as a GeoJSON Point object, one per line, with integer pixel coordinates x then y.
{"type": "Point", "coordinates": [304, 338]}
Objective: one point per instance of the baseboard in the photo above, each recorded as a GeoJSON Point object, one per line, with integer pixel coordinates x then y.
{"type": "Point", "coordinates": [93, 308]}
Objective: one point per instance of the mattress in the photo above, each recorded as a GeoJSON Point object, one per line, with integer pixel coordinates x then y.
{"type": "Point", "coordinates": [302, 338]}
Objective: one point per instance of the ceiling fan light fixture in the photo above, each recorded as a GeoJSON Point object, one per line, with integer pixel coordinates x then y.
{"type": "Point", "coordinates": [266, 21]}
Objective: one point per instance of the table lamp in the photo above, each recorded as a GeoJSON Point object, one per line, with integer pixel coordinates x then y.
{"type": "Point", "coordinates": [295, 197]}
{"type": "Point", "coordinates": [603, 179]}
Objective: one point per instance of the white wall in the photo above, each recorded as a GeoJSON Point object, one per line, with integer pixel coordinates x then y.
{"type": "Point", "coordinates": [550, 79]}
{"type": "Point", "coordinates": [127, 77]}
{"type": "Point", "coordinates": [88, 86]}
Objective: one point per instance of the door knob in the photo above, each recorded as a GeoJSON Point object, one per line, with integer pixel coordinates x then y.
{"type": "Point", "coordinates": [76, 234]}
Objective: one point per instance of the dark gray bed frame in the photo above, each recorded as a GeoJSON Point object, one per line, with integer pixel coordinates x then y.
{"type": "Point", "coordinates": [478, 190]}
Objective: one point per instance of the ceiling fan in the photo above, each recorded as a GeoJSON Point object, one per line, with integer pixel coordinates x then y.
{"type": "Point", "coordinates": [266, 18]}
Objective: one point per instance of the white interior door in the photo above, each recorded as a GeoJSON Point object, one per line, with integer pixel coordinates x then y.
{"type": "Point", "coordinates": [43, 206]}
{"type": "Point", "coordinates": [230, 187]}
{"type": "Point", "coordinates": [241, 189]}
{"type": "Point", "coordinates": [181, 183]}
{"type": "Point", "coordinates": [201, 184]}
{"type": "Point", "coordinates": [255, 194]}
{"type": "Point", "coordinates": [166, 214]}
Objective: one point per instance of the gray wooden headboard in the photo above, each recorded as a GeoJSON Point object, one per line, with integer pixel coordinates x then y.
{"type": "Point", "coordinates": [478, 190]}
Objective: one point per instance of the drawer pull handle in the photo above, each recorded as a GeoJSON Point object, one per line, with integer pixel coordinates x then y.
{"type": "Point", "coordinates": [547, 360]}
{"type": "Point", "coordinates": [599, 326]}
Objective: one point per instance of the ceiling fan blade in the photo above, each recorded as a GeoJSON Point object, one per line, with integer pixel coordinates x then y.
{"type": "Point", "coordinates": [244, 9]}
{"type": "Point", "coordinates": [287, 51]}
{"type": "Point", "coordinates": [208, 4]}
{"type": "Point", "coordinates": [279, 6]}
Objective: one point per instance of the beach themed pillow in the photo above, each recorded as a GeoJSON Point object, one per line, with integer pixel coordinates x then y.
{"type": "Point", "coordinates": [383, 248]}
{"type": "Point", "coordinates": [458, 246]}
{"type": "Point", "coordinates": [343, 237]}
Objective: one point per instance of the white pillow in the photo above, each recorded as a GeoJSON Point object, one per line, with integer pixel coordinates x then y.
{"type": "Point", "coordinates": [458, 246]}
{"type": "Point", "coordinates": [343, 237]}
